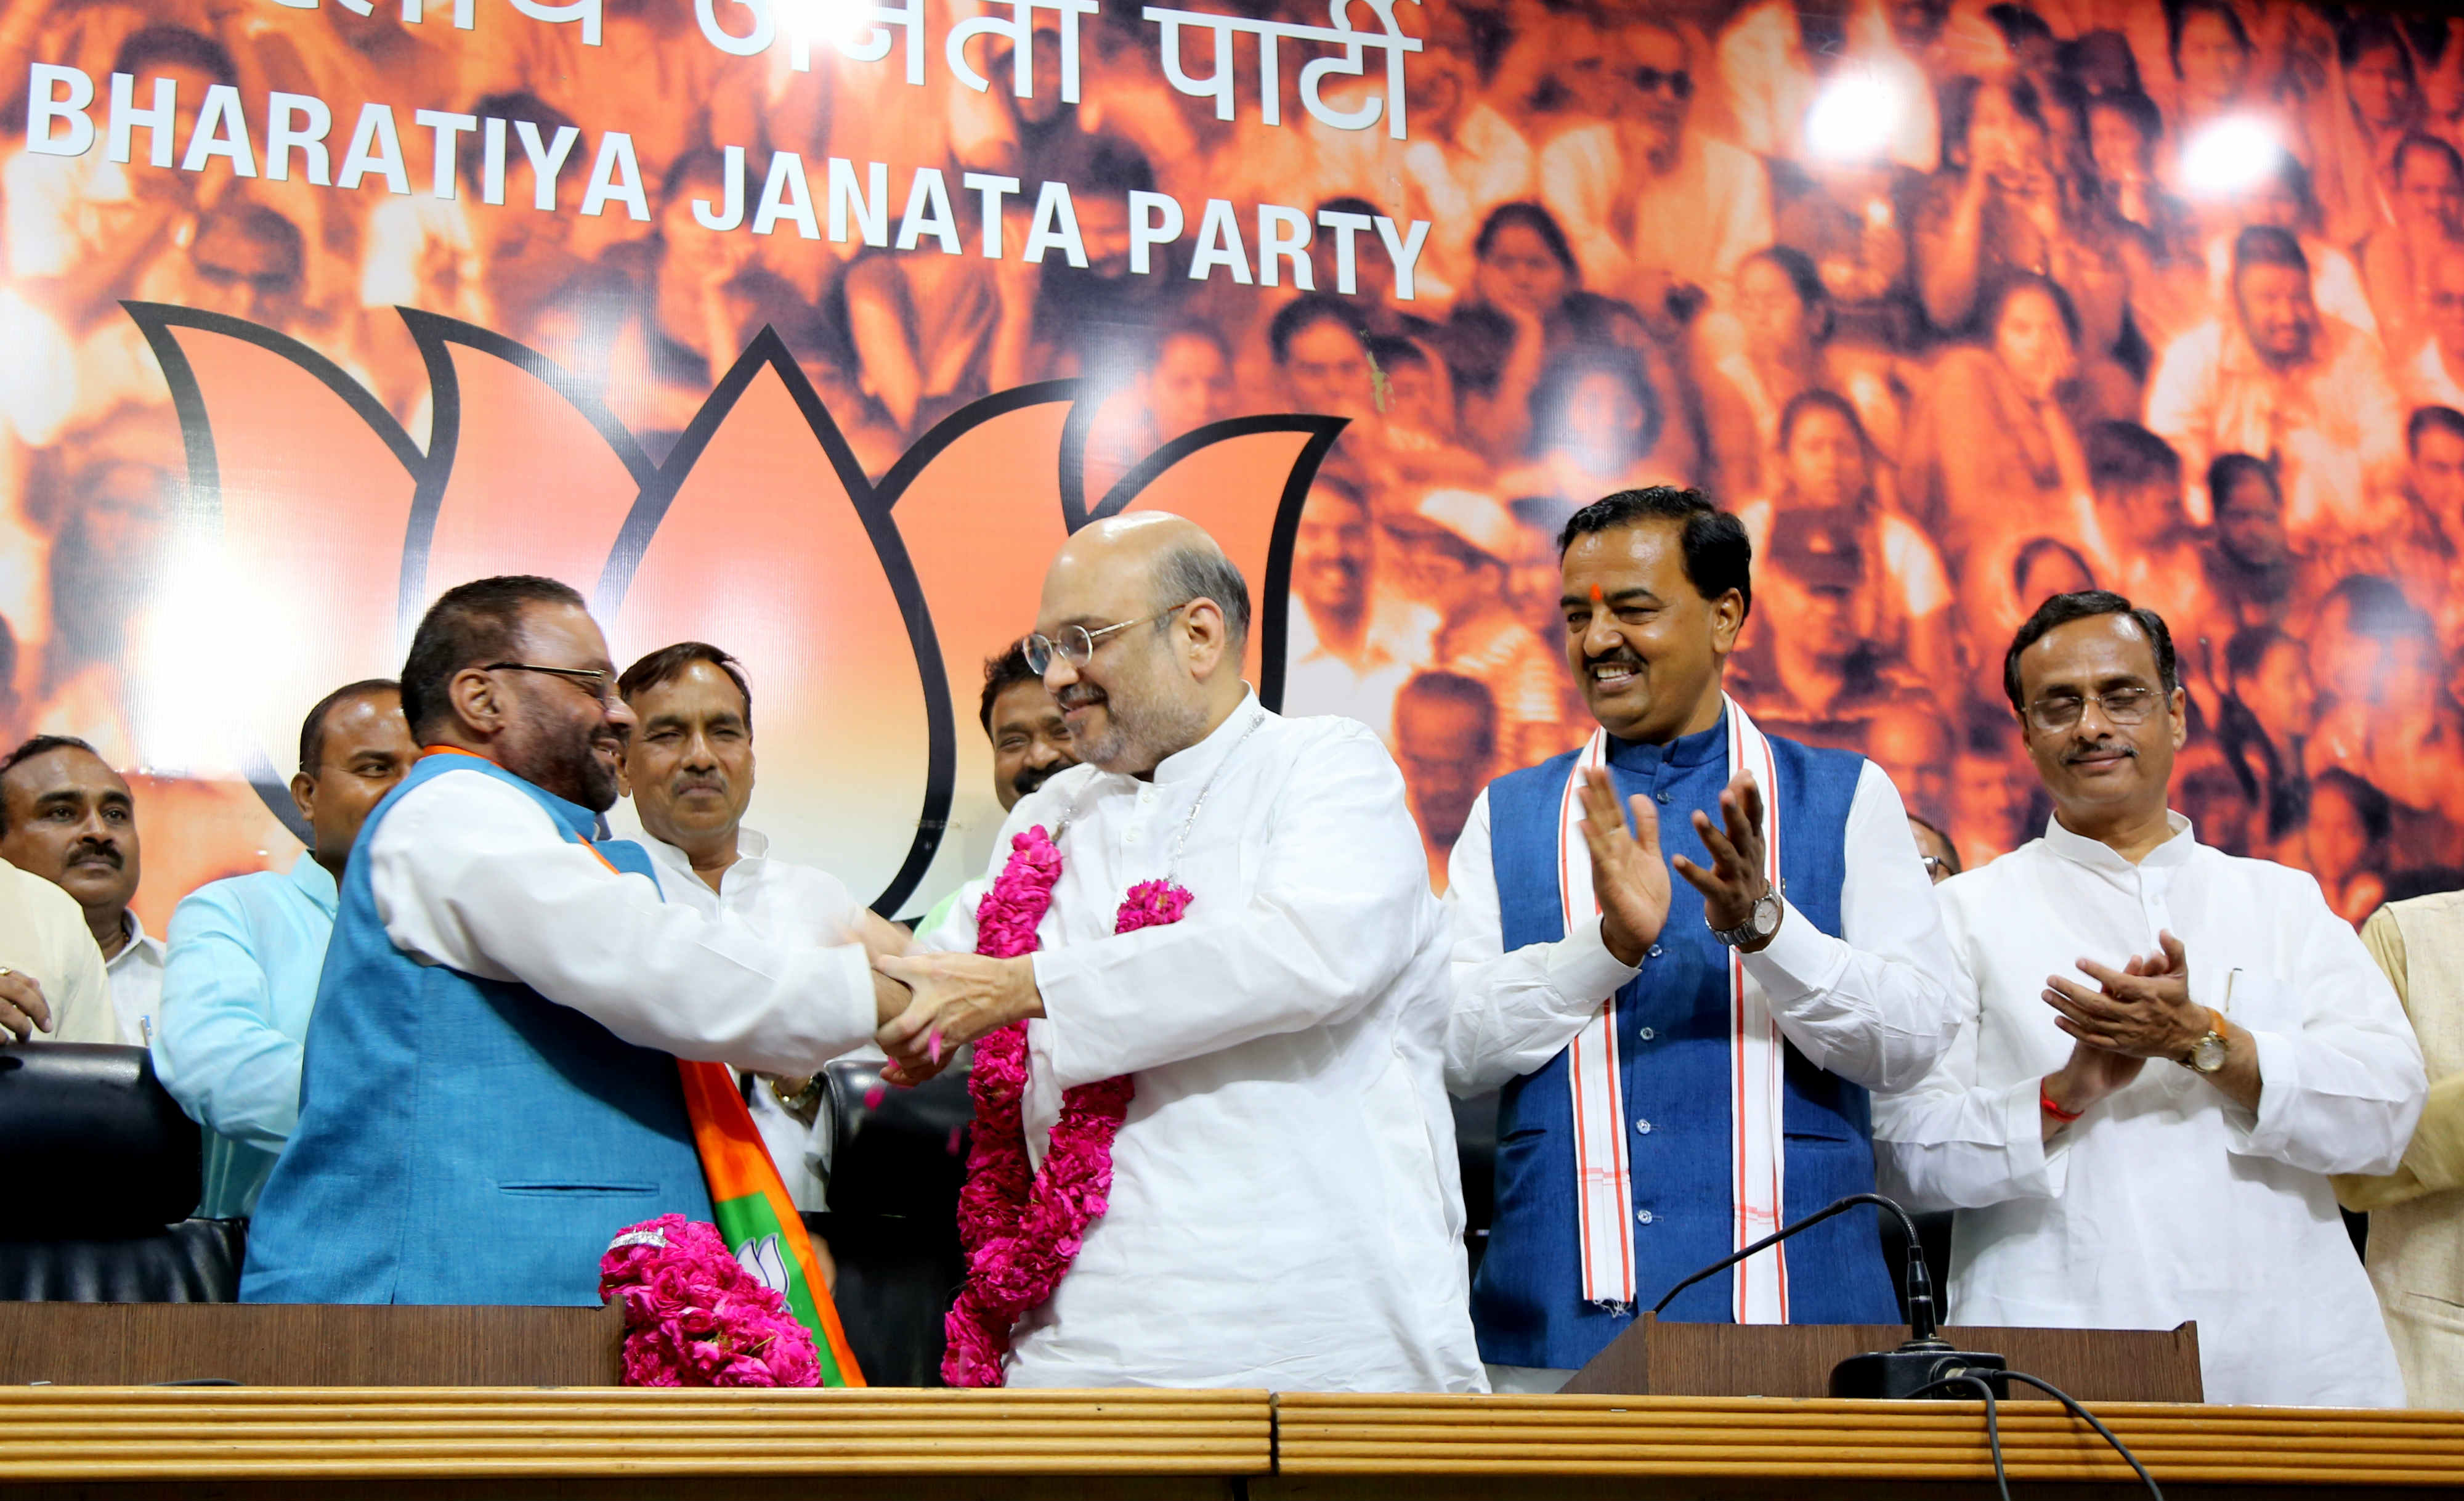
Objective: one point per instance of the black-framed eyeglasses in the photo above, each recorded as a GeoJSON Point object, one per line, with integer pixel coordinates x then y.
{"type": "Point", "coordinates": [2055, 713]}
{"type": "Point", "coordinates": [601, 685]}
{"type": "Point", "coordinates": [1679, 82]}
{"type": "Point", "coordinates": [1936, 866]}
{"type": "Point", "coordinates": [1077, 645]}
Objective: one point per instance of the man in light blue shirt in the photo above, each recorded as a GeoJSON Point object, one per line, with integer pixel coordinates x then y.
{"type": "Point", "coordinates": [246, 952]}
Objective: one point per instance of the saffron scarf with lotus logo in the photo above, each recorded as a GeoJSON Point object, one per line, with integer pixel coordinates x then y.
{"type": "Point", "coordinates": [748, 1199]}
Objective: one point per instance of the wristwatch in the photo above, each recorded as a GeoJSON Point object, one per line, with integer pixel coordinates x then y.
{"type": "Point", "coordinates": [1760, 923]}
{"type": "Point", "coordinates": [801, 1097]}
{"type": "Point", "coordinates": [2207, 1055]}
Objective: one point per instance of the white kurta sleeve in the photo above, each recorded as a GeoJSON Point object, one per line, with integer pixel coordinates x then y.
{"type": "Point", "coordinates": [1340, 905]}
{"type": "Point", "coordinates": [1949, 1142]}
{"type": "Point", "coordinates": [1871, 1006]}
{"type": "Point", "coordinates": [2342, 1083]}
{"type": "Point", "coordinates": [1512, 1012]}
{"type": "Point", "coordinates": [470, 874]}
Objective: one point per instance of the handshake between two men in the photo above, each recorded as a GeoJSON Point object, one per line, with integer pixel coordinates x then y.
{"type": "Point", "coordinates": [933, 1005]}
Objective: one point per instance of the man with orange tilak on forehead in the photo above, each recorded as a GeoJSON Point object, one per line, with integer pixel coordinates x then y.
{"type": "Point", "coordinates": [1684, 1065]}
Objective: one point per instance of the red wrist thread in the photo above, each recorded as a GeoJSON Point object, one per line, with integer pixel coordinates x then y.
{"type": "Point", "coordinates": [2045, 1103]}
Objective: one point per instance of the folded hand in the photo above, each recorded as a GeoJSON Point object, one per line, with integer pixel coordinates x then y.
{"type": "Point", "coordinates": [2141, 1010]}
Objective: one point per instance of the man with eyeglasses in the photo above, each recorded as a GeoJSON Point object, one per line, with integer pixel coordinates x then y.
{"type": "Point", "coordinates": [1660, 213]}
{"type": "Point", "coordinates": [1283, 1207]}
{"type": "Point", "coordinates": [491, 1088]}
{"type": "Point", "coordinates": [2164, 1052]}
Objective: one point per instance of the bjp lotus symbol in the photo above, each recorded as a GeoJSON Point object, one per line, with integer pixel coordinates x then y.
{"type": "Point", "coordinates": [863, 611]}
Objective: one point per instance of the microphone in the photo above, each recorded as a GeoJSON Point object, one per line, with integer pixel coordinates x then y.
{"type": "Point", "coordinates": [1917, 1368]}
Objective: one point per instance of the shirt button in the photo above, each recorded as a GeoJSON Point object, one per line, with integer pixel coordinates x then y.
{"type": "Point", "coordinates": [1129, 836]}
{"type": "Point", "coordinates": [1642, 1126]}
{"type": "Point", "coordinates": [1648, 1034]}
{"type": "Point", "coordinates": [1655, 950]}
{"type": "Point", "coordinates": [1643, 1217]}
{"type": "Point", "coordinates": [1663, 796]}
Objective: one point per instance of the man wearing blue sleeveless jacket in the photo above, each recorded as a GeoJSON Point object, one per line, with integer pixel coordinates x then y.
{"type": "Point", "coordinates": [1684, 1066]}
{"type": "Point", "coordinates": [491, 1089]}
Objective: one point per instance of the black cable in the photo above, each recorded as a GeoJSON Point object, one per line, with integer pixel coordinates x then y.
{"type": "Point", "coordinates": [2089, 1418]}
{"type": "Point", "coordinates": [1842, 1206]}
{"type": "Point", "coordinates": [1992, 1424]}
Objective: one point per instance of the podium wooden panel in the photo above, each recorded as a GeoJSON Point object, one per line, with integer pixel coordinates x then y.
{"type": "Point", "coordinates": [308, 1344]}
{"type": "Point", "coordinates": [1442, 1448]}
{"type": "Point", "coordinates": [408, 1445]}
{"type": "Point", "coordinates": [711, 1446]}
{"type": "Point", "coordinates": [1656, 1360]}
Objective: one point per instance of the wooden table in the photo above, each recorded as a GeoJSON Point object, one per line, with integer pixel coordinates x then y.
{"type": "Point", "coordinates": [512, 1445]}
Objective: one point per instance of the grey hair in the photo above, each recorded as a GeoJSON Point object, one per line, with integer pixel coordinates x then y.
{"type": "Point", "coordinates": [1201, 571]}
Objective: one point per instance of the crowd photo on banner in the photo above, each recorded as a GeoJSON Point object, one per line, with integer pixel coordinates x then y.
{"type": "Point", "coordinates": [2166, 298]}
{"type": "Point", "coordinates": [1954, 306]}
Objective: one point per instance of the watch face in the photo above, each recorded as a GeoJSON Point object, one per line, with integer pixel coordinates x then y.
{"type": "Point", "coordinates": [1766, 917]}
{"type": "Point", "coordinates": [2208, 1054]}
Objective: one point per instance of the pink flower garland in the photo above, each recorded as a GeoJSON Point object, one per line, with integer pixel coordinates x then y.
{"type": "Point", "coordinates": [693, 1316]}
{"type": "Point", "coordinates": [1023, 1229]}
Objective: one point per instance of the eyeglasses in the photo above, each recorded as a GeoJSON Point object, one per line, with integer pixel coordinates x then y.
{"type": "Point", "coordinates": [1075, 644]}
{"type": "Point", "coordinates": [1934, 863]}
{"type": "Point", "coordinates": [1679, 83]}
{"type": "Point", "coordinates": [600, 685]}
{"type": "Point", "coordinates": [2058, 712]}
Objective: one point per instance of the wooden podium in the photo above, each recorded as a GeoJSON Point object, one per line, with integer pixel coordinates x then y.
{"type": "Point", "coordinates": [1656, 1360]}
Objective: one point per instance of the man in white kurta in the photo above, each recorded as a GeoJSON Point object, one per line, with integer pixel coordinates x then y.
{"type": "Point", "coordinates": [1285, 1209]}
{"type": "Point", "coordinates": [2131, 1142]}
{"type": "Point", "coordinates": [689, 770]}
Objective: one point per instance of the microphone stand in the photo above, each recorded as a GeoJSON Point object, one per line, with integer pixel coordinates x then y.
{"type": "Point", "coordinates": [1918, 1367]}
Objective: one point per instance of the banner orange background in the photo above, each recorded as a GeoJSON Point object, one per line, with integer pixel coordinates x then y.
{"type": "Point", "coordinates": [256, 418]}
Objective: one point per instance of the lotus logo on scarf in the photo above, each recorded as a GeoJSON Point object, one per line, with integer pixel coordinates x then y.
{"type": "Point", "coordinates": [764, 1263]}
{"type": "Point", "coordinates": [319, 528]}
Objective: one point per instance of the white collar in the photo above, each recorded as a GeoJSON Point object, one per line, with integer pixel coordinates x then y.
{"type": "Point", "coordinates": [2098, 855]}
{"type": "Point", "coordinates": [751, 846]}
{"type": "Point", "coordinates": [138, 943]}
{"type": "Point", "coordinates": [1201, 760]}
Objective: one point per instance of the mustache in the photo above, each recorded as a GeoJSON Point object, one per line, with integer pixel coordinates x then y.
{"type": "Point", "coordinates": [698, 784]}
{"type": "Point", "coordinates": [1621, 657]}
{"type": "Point", "coordinates": [2100, 748]}
{"type": "Point", "coordinates": [1079, 694]}
{"type": "Point", "coordinates": [89, 849]}
{"type": "Point", "coordinates": [1030, 777]}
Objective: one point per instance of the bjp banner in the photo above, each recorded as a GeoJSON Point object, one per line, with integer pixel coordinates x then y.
{"type": "Point", "coordinates": [809, 328]}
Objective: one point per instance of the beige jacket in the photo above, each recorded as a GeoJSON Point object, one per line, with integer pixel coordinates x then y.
{"type": "Point", "coordinates": [2416, 1244]}
{"type": "Point", "coordinates": [43, 935]}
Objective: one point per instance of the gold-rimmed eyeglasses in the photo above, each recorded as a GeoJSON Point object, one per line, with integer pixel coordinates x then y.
{"type": "Point", "coordinates": [1077, 645]}
{"type": "Point", "coordinates": [600, 685]}
{"type": "Point", "coordinates": [2055, 713]}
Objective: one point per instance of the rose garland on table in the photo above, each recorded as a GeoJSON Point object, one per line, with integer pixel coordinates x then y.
{"type": "Point", "coordinates": [1023, 1228]}
{"type": "Point", "coordinates": [694, 1316]}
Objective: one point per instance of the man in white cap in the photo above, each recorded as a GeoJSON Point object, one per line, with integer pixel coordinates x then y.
{"type": "Point", "coordinates": [1460, 548]}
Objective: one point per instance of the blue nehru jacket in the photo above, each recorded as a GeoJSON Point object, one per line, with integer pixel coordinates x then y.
{"type": "Point", "coordinates": [463, 1141]}
{"type": "Point", "coordinates": [1674, 1052]}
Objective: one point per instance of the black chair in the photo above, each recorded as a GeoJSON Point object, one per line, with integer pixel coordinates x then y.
{"type": "Point", "coordinates": [103, 1178]}
{"type": "Point", "coordinates": [1476, 1157]}
{"type": "Point", "coordinates": [897, 1159]}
